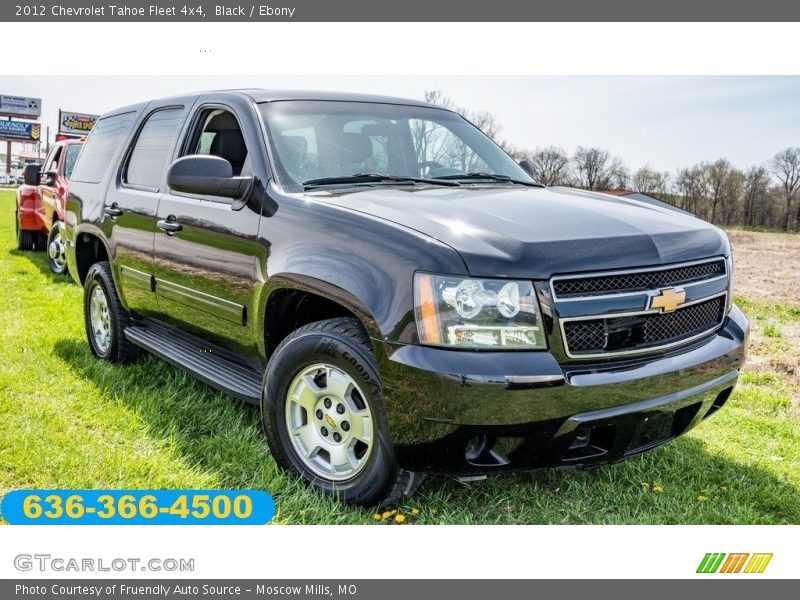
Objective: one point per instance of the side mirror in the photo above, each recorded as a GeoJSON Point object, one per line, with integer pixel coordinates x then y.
{"type": "Point", "coordinates": [527, 166]}
{"type": "Point", "coordinates": [51, 177]}
{"type": "Point", "coordinates": [207, 176]}
{"type": "Point", "coordinates": [31, 174]}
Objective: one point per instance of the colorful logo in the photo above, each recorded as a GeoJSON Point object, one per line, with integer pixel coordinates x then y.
{"type": "Point", "coordinates": [719, 562]}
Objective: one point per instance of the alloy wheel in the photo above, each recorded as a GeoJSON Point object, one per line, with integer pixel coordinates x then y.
{"type": "Point", "coordinates": [329, 422]}
{"type": "Point", "coordinates": [100, 319]}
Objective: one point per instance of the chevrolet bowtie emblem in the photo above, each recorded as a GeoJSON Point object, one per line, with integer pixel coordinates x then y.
{"type": "Point", "coordinates": [668, 300]}
{"type": "Point", "coordinates": [330, 421]}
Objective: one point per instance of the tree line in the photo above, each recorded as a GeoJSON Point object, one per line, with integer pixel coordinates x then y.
{"type": "Point", "coordinates": [765, 196]}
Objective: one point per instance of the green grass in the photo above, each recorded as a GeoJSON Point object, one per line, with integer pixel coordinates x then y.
{"type": "Point", "coordinates": [70, 421]}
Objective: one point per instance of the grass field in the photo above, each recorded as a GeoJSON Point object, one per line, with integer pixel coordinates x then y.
{"type": "Point", "coordinates": [70, 421]}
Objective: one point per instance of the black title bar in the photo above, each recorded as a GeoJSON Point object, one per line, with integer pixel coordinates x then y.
{"type": "Point", "coordinates": [405, 11]}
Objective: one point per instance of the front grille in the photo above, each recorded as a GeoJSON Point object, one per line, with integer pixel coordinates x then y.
{"type": "Point", "coordinates": [637, 281]}
{"type": "Point", "coordinates": [607, 335]}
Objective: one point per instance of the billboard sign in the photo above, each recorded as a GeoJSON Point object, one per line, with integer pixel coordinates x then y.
{"type": "Point", "coordinates": [20, 106]}
{"type": "Point", "coordinates": [74, 124]}
{"type": "Point", "coordinates": [20, 131]}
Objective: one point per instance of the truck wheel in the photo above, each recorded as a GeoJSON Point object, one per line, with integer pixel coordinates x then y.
{"type": "Point", "coordinates": [56, 257]}
{"type": "Point", "coordinates": [323, 415]}
{"type": "Point", "coordinates": [25, 239]}
{"type": "Point", "coordinates": [105, 318]}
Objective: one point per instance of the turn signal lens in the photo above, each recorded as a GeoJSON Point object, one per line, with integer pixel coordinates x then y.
{"type": "Point", "coordinates": [427, 318]}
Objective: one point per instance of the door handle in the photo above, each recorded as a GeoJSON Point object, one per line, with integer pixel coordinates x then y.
{"type": "Point", "coordinates": [170, 225]}
{"type": "Point", "coordinates": [113, 210]}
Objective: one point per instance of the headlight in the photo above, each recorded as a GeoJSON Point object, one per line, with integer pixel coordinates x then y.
{"type": "Point", "coordinates": [459, 312]}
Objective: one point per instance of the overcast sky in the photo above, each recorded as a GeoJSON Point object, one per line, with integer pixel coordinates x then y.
{"type": "Point", "coordinates": [664, 122]}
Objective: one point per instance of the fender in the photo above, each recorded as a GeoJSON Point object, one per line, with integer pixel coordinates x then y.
{"type": "Point", "coordinates": [360, 261]}
{"type": "Point", "coordinates": [326, 289]}
{"type": "Point", "coordinates": [72, 239]}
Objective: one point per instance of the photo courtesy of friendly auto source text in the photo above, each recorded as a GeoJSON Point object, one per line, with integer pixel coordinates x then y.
{"type": "Point", "coordinates": [335, 276]}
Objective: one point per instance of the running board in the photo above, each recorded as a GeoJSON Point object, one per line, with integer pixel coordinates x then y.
{"type": "Point", "coordinates": [200, 360]}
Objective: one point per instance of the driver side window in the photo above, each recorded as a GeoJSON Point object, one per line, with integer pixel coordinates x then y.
{"type": "Point", "coordinates": [220, 135]}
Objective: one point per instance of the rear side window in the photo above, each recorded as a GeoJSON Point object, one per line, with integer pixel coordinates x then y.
{"type": "Point", "coordinates": [152, 148]}
{"type": "Point", "coordinates": [99, 150]}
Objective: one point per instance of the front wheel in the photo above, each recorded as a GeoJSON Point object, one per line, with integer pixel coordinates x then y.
{"type": "Point", "coordinates": [56, 252]}
{"type": "Point", "coordinates": [105, 318]}
{"type": "Point", "coordinates": [322, 412]}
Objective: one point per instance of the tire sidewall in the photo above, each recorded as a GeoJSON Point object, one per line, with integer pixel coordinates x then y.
{"type": "Point", "coordinates": [368, 486]}
{"type": "Point", "coordinates": [96, 277]}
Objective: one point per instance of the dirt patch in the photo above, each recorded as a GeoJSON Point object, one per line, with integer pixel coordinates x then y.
{"type": "Point", "coordinates": [767, 266]}
{"type": "Point", "coordinates": [767, 271]}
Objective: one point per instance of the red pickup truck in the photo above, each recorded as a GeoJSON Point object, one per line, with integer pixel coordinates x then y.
{"type": "Point", "coordinates": [40, 203]}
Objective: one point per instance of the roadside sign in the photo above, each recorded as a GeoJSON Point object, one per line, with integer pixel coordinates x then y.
{"type": "Point", "coordinates": [72, 124]}
{"type": "Point", "coordinates": [20, 131]}
{"type": "Point", "coordinates": [20, 106]}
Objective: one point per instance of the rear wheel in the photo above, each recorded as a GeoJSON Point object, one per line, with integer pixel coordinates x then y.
{"type": "Point", "coordinates": [323, 415]}
{"type": "Point", "coordinates": [25, 239]}
{"type": "Point", "coordinates": [56, 256]}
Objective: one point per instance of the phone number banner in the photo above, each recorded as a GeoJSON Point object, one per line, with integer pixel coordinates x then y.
{"type": "Point", "coordinates": [407, 11]}
{"type": "Point", "coordinates": [20, 131]}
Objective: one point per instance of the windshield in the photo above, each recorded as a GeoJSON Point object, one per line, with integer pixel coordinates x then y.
{"type": "Point", "coordinates": [73, 150]}
{"type": "Point", "coordinates": [313, 140]}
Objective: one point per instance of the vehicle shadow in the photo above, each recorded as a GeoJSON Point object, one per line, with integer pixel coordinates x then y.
{"type": "Point", "coordinates": [39, 260]}
{"type": "Point", "coordinates": [681, 483]}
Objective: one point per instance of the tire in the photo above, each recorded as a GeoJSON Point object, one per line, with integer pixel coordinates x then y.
{"type": "Point", "coordinates": [25, 239]}
{"type": "Point", "coordinates": [100, 300]}
{"type": "Point", "coordinates": [41, 242]}
{"type": "Point", "coordinates": [56, 257]}
{"type": "Point", "coordinates": [324, 357]}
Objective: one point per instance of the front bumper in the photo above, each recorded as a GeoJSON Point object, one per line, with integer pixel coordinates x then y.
{"type": "Point", "coordinates": [476, 412]}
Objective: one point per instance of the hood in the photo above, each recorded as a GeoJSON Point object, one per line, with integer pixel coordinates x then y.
{"type": "Point", "coordinates": [538, 232]}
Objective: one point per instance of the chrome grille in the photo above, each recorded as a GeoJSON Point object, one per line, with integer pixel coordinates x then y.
{"type": "Point", "coordinates": [634, 281]}
{"type": "Point", "coordinates": [641, 332]}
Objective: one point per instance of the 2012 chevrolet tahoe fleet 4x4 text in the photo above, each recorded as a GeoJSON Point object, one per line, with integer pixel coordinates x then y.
{"type": "Point", "coordinates": [396, 292]}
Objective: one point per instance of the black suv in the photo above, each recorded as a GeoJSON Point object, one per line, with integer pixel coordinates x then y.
{"type": "Point", "coordinates": [396, 293]}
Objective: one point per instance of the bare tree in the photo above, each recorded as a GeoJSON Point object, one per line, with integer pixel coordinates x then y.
{"type": "Point", "coordinates": [651, 182]}
{"type": "Point", "coordinates": [619, 176]}
{"type": "Point", "coordinates": [691, 186]}
{"type": "Point", "coordinates": [756, 195]}
{"type": "Point", "coordinates": [785, 166]}
{"type": "Point", "coordinates": [550, 165]}
{"type": "Point", "coordinates": [718, 175]}
{"type": "Point", "coordinates": [595, 168]}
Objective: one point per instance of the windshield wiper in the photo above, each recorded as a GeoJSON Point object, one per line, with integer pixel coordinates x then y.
{"type": "Point", "coordinates": [492, 177]}
{"type": "Point", "coordinates": [374, 178]}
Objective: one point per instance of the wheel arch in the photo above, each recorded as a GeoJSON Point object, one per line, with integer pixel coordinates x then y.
{"type": "Point", "coordinates": [295, 300]}
{"type": "Point", "coordinates": [90, 248]}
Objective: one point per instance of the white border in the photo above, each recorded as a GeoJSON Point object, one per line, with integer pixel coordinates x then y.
{"type": "Point", "coordinates": [392, 551]}
{"type": "Point", "coordinates": [404, 48]}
